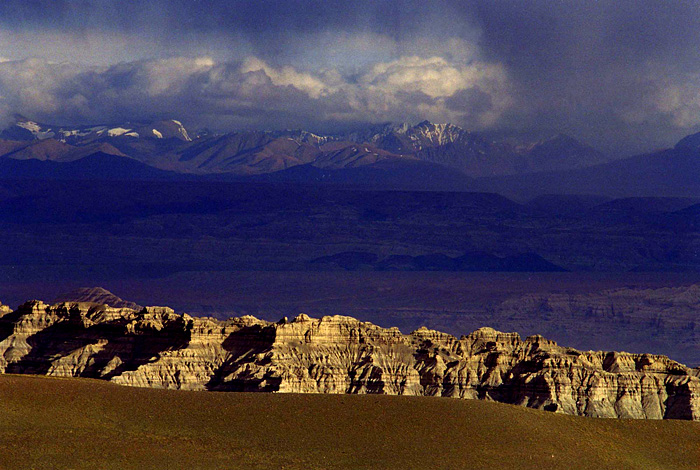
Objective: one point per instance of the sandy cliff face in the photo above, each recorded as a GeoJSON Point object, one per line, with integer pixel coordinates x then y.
{"type": "Point", "coordinates": [155, 347]}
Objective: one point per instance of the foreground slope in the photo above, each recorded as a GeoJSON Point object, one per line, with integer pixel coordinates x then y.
{"type": "Point", "coordinates": [156, 347]}
{"type": "Point", "coordinates": [48, 423]}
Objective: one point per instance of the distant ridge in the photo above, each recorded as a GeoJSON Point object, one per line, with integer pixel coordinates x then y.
{"type": "Point", "coordinates": [668, 173]}
{"type": "Point", "coordinates": [97, 166]}
{"type": "Point", "coordinates": [97, 295]}
{"type": "Point", "coordinates": [409, 174]}
{"type": "Point", "coordinates": [469, 262]}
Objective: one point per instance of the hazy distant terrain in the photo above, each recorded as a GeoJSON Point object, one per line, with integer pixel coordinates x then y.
{"type": "Point", "coordinates": [643, 312]}
{"type": "Point", "coordinates": [276, 222]}
{"type": "Point", "coordinates": [395, 258]}
{"type": "Point", "coordinates": [150, 228]}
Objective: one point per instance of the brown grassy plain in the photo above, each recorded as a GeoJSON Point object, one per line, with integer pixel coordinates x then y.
{"type": "Point", "coordinates": [49, 423]}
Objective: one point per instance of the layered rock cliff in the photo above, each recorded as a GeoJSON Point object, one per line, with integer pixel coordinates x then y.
{"type": "Point", "coordinates": [155, 347]}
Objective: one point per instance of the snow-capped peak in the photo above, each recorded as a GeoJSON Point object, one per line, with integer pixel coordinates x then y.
{"type": "Point", "coordinates": [436, 134]}
{"type": "Point", "coordinates": [167, 129]}
{"type": "Point", "coordinates": [26, 129]}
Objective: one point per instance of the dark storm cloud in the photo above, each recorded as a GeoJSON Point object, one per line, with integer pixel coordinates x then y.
{"type": "Point", "coordinates": [274, 30]}
{"type": "Point", "coordinates": [623, 71]}
{"type": "Point", "coordinates": [622, 74]}
{"type": "Point", "coordinates": [471, 100]}
{"type": "Point", "coordinates": [256, 17]}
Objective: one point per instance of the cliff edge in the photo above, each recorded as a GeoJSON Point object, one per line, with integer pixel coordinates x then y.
{"type": "Point", "coordinates": [155, 347]}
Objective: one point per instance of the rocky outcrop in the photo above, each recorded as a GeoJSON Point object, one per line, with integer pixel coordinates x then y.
{"type": "Point", "coordinates": [155, 347]}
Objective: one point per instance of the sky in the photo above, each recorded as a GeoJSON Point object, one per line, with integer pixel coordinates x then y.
{"type": "Point", "coordinates": [621, 75]}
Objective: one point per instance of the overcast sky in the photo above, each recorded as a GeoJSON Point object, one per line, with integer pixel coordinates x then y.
{"type": "Point", "coordinates": [622, 75]}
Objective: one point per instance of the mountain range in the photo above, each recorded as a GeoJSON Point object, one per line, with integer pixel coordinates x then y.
{"type": "Point", "coordinates": [386, 156]}
{"type": "Point", "coordinates": [167, 145]}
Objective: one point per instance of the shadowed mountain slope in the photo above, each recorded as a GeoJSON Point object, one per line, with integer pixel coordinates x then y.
{"type": "Point", "coordinates": [96, 166]}
{"type": "Point", "coordinates": [670, 173]}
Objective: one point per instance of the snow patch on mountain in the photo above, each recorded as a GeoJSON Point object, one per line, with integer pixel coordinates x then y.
{"type": "Point", "coordinates": [181, 130]}
{"type": "Point", "coordinates": [36, 129]}
{"type": "Point", "coordinates": [117, 131]}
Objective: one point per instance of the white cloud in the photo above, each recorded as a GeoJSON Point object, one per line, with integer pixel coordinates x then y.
{"type": "Point", "coordinates": [315, 87]}
{"type": "Point", "coordinates": [170, 76]}
{"type": "Point", "coordinates": [681, 102]}
{"type": "Point", "coordinates": [437, 79]}
{"type": "Point", "coordinates": [253, 92]}
{"type": "Point", "coordinates": [433, 76]}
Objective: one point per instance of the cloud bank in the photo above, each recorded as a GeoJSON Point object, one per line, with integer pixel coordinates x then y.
{"type": "Point", "coordinates": [620, 74]}
{"type": "Point", "coordinates": [253, 93]}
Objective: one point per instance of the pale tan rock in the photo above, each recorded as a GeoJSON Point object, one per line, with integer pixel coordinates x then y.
{"type": "Point", "coordinates": [156, 347]}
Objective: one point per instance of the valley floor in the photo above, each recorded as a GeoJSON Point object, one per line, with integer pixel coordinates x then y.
{"type": "Point", "coordinates": [49, 423]}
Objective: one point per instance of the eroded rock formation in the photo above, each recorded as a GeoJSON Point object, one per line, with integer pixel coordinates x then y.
{"type": "Point", "coordinates": [155, 347]}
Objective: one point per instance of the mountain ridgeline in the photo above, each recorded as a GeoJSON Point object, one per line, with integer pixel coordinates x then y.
{"type": "Point", "coordinates": [167, 145]}
{"type": "Point", "coordinates": [155, 347]}
{"type": "Point", "coordinates": [425, 156]}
